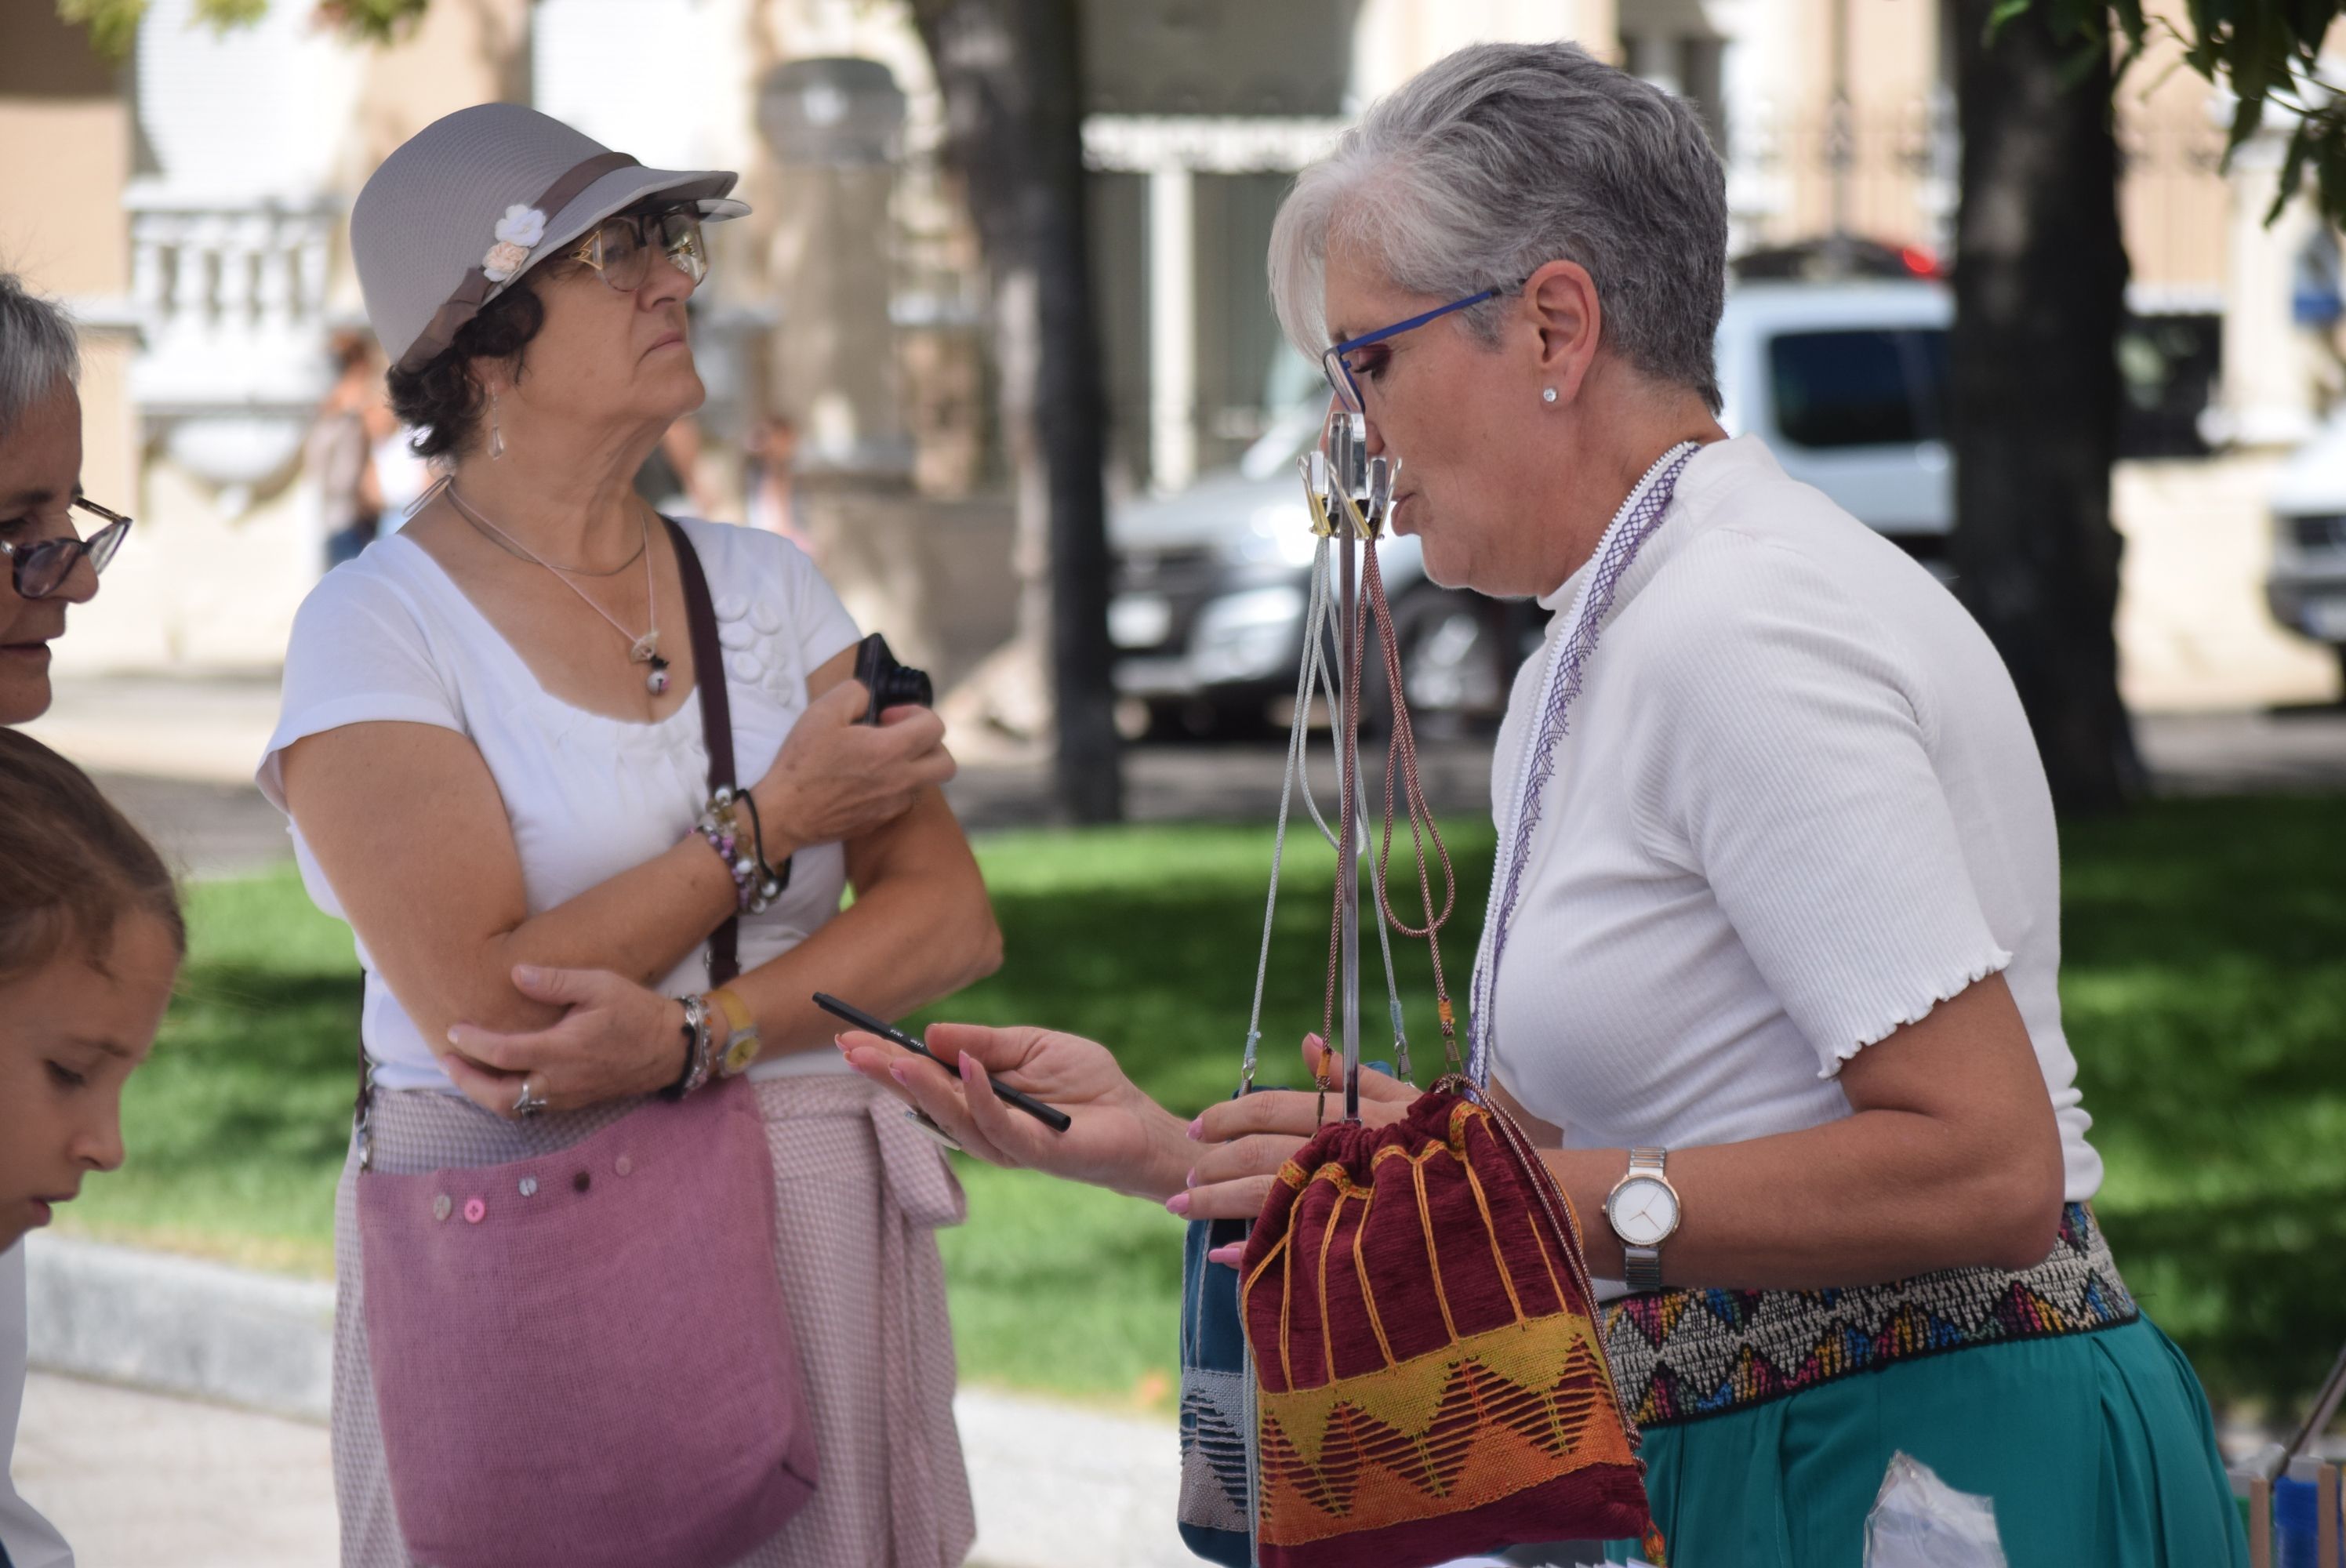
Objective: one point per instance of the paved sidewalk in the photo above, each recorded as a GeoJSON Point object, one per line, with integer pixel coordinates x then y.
{"type": "Point", "coordinates": [139, 1479]}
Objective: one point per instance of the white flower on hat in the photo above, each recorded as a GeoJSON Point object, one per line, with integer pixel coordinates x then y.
{"type": "Point", "coordinates": [522, 226]}
{"type": "Point", "coordinates": [519, 232]}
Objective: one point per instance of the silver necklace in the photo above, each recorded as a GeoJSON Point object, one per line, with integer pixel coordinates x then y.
{"type": "Point", "coordinates": [644, 649]}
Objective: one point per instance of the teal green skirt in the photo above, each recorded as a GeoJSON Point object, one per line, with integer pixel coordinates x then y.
{"type": "Point", "coordinates": [2099, 1449]}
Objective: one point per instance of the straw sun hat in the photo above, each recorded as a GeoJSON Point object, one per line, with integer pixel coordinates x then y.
{"type": "Point", "coordinates": [474, 200]}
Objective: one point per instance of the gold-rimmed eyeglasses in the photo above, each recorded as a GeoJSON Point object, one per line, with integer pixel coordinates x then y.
{"type": "Point", "coordinates": [620, 249]}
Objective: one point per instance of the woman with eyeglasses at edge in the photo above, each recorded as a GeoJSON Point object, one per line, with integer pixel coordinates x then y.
{"type": "Point", "coordinates": [89, 925]}
{"type": "Point", "coordinates": [490, 752]}
{"type": "Point", "coordinates": [1778, 988]}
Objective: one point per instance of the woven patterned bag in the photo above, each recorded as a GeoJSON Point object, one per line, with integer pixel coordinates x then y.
{"type": "Point", "coordinates": [1214, 1511]}
{"type": "Point", "coordinates": [1432, 1378]}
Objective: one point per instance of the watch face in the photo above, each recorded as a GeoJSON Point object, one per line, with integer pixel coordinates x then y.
{"type": "Point", "coordinates": [740, 1053]}
{"type": "Point", "coordinates": [1644, 1211]}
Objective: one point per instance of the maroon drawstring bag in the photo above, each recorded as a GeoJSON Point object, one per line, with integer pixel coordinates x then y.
{"type": "Point", "coordinates": [582, 1359]}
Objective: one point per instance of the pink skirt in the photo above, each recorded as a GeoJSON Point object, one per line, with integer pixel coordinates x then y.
{"type": "Point", "coordinates": [859, 1196]}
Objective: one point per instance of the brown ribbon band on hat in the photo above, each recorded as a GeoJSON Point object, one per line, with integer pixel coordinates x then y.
{"type": "Point", "coordinates": [474, 292]}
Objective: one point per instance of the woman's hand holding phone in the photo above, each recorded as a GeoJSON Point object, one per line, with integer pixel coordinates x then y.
{"type": "Point", "coordinates": [1117, 1137]}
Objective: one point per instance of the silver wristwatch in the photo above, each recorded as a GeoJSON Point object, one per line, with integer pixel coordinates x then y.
{"type": "Point", "coordinates": [1643, 1209]}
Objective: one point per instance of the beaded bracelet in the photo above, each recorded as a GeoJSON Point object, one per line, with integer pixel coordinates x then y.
{"type": "Point", "coordinates": [756, 885]}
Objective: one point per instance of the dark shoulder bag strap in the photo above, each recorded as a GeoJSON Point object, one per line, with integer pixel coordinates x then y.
{"type": "Point", "coordinates": [715, 720]}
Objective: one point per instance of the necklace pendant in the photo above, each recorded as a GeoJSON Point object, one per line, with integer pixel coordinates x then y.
{"type": "Point", "coordinates": [645, 649]}
{"type": "Point", "coordinates": [656, 682]}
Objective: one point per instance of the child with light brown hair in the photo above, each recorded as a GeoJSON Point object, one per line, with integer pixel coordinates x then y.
{"type": "Point", "coordinates": [90, 942]}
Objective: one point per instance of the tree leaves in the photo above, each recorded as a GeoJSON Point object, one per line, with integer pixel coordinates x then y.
{"type": "Point", "coordinates": [114, 23]}
{"type": "Point", "coordinates": [2268, 53]}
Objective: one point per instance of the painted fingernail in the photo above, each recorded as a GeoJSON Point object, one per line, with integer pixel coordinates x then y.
{"type": "Point", "coordinates": [897, 1072]}
{"type": "Point", "coordinates": [452, 1035]}
{"type": "Point", "coordinates": [1192, 1178]}
{"type": "Point", "coordinates": [968, 1069]}
{"type": "Point", "coordinates": [1197, 1128]}
{"type": "Point", "coordinates": [1178, 1204]}
{"type": "Point", "coordinates": [528, 973]}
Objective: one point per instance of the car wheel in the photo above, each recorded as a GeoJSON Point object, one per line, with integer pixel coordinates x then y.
{"type": "Point", "coordinates": [1452, 666]}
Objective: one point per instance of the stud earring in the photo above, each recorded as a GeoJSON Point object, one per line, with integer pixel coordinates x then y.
{"type": "Point", "coordinates": [496, 432]}
{"type": "Point", "coordinates": [1547, 394]}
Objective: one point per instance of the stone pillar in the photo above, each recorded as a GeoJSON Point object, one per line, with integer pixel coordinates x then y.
{"type": "Point", "coordinates": [833, 125]}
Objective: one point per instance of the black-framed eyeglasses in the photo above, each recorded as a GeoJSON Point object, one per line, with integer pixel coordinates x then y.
{"type": "Point", "coordinates": [1341, 371]}
{"type": "Point", "coordinates": [620, 249]}
{"type": "Point", "coordinates": [40, 567]}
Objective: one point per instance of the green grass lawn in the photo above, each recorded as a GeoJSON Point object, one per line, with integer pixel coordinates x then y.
{"type": "Point", "coordinates": [2205, 983]}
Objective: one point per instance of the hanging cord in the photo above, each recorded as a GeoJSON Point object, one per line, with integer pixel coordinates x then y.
{"type": "Point", "coordinates": [1401, 764]}
{"type": "Point", "coordinates": [1402, 771]}
{"type": "Point", "coordinates": [1315, 674]}
{"type": "Point", "coordinates": [1348, 766]}
{"type": "Point", "coordinates": [1330, 676]}
{"type": "Point", "coordinates": [1312, 617]}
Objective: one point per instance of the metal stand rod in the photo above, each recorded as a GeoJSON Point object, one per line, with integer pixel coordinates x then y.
{"type": "Point", "coordinates": [1347, 852]}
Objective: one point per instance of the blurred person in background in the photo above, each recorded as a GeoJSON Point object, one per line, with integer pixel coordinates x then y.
{"type": "Point", "coordinates": [774, 503]}
{"type": "Point", "coordinates": [80, 989]}
{"type": "Point", "coordinates": [339, 453]}
{"type": "Point", "coordinates": [492, 754]}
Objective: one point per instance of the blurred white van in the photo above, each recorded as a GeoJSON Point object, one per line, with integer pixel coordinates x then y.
{"type": "Point", "coordinates": [2306, 586]}
{"type": "Point", "coordinates": [1845, 380]}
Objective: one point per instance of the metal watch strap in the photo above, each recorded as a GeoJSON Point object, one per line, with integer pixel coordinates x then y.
{"type": "Point", "coordinates": [1641, 1267]}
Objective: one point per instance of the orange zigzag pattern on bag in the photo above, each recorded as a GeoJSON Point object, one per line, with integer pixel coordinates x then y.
{"type": "Point", "coordinates": [1453, 1430]}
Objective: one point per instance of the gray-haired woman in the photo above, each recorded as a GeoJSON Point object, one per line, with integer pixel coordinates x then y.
{"type": "Point", "coordinates": [44, 562]}
{"type": "Point", "coordinates": [45, 565]}
{"type": "Point", "coordinates": [1775, 969]}
{"type": "Point", "coordinates": [493, 754]}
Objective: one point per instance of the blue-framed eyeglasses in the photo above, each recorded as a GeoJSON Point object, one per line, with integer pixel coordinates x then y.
{"type": "Point", "coordinates": [1341, 370]}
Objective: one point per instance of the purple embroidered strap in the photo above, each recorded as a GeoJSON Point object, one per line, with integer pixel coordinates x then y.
{"type": "Point", "coordinates": [1639, 515]}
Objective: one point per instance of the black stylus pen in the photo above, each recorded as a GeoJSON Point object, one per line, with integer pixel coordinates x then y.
{"type": "Point", "coordinates": [1053, 1119]}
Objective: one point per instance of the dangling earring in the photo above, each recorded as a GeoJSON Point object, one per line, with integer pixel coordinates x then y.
{"type": "Point", "coordinates": [1547, 394]}
{"type": "Point", "coordinates": [498, 435]}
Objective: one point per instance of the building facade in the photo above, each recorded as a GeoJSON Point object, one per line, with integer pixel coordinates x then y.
{"type": "Point", "coordinates": [191, 205]}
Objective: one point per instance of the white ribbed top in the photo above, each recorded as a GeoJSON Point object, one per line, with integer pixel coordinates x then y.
{"type": "Point", "coordinates": [1797, 805]}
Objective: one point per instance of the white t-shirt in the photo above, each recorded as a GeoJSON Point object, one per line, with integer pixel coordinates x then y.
{"type": "Point", "coordinates": [390, 636]}
{"type": "Point", "coordinates": [32, 1541]}
{"type": "Point", "coordinates": [1796, 806]}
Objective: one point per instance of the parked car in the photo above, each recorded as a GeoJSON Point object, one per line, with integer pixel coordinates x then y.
{"type": "Point", "coordinates": [2306, 586]}
{"type": "Point", "coordinates": [1843, 379]}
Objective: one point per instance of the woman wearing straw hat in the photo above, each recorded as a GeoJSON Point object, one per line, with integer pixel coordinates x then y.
{"type": "Point", "coordinates": [493, 755]}
{"type": "Point", "coordinates": [1772, 957]}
